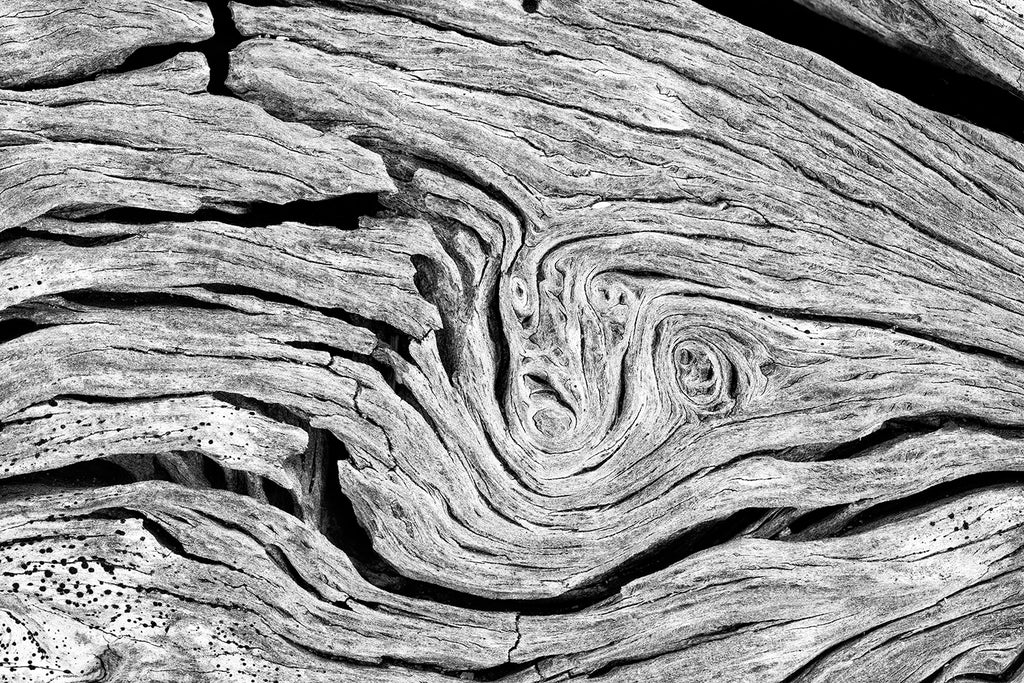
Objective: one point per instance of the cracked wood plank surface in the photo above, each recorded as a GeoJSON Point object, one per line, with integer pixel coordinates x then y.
{"type": "Point", "coordinates": [501, 341]}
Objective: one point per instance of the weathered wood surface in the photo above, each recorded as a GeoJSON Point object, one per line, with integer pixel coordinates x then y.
{"type": "Point", "coordinates": [52, 41]}
{"type": "Point", "coordinates": [984, 38]}
{"type": "Point", "coordinates": [155, 139]}
{"type": "Point", "coordinates": [671, 351]}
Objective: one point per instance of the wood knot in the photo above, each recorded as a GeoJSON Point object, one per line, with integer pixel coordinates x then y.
{"type": "Point", "coordinates": [706, 377]}
{"type": "Point", "coordinates": [708, 365]}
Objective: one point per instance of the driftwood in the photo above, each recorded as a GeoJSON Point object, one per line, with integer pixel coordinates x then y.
{"type": "Point", "coordinates": [984, 39]}
{"type": "Point", "coordinates": [539, 341]}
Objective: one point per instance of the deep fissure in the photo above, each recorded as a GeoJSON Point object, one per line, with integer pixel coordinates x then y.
{"type": "Point", "coordinates": [931, 85]}
{"type": "Point", "coordinates": [343, 212]}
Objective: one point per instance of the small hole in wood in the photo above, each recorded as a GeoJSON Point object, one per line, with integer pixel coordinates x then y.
{"type": "Point", "coordinates": [530, 6]}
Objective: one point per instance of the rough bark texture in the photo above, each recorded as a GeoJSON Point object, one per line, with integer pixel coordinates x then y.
{"type": "Point", "coordinates": [557, 341]}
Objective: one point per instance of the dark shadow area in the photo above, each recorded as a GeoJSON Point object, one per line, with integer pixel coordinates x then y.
{"type": "Point", "coordinates": [340, 212]}
{"type": "Point", "coordinates": [214, 474]}
{"type": "Point", "coordinates": [888, 433]}
{"type": "Point", "coordinates": [226, 37]}
{"type": "Point", "coordinates": [87, 474]}
{"type": "Point", "coordinates": [9, 239]}
{"type": "Point", "coordinates": [130, 300]}
{"type": "Point", "coordinates": [931, 85]}
{"type": "Point", "coordinates": [930, 498]}
{"type": "Point", "coordinates": [816, 517]}
{"type": "Point", "coordinates": [13, 328]}
{"type": "Point", "coordinates": [152, 55]}
{"type": "Point", "coordinates": [280, 497]}
{"type": "Point", "coordinates": [216, 49]}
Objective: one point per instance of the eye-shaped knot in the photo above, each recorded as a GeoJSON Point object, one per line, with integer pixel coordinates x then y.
{"type": "Point", "coordinates": [706, 376]}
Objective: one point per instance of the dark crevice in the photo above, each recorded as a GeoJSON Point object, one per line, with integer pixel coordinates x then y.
{"type": "Point", "coordinates": [12, 328]}
{"type": "Point", "coordinates": [152, 55]}
{"type": "Point", "coordinates": [281, 498]}
{"type": "Point", "coordinates": [109, 471]}
{"type": "Point", "coordinates": [771, 524]}
{"type": "Point", "coordinates": [342, 527]}
{"type": "Point", "coordinates": [14, 234]}
{"type": "Point", "coordinates": [88, 474]}
{"type": "Point", "coordinates": [502, 354]}
{"type": "Point", "coordinates": [112, 400]}
{"type": "Point", "coordinates": [275, 412]}
{"type": "Point", "coordinates": [673, 550]}
{"type": "Point", "coordinates": [214, 474]}
{"type": "Point", "coordinates": [316, 346]}
{"type": "Point", "coordinates": [425, 278]}
{"type": "Point", "coordinates": [142, 58]}
{"type": "Point", "coordinates": [888, 433]}
{"type": "Point", "coordinates": [142, 299]}
{"type": "Point", "coordinates": [218, 48]}
{"type": "Point", "coordinates": [160, 471]}
{"type": "Point", "coordinates": [932, 85]}
{"type": "Point", "coordinates": [241, 482]}
{"type": "Point", "coordinates": [815, 518]}
{"type": "Point", "coordinates": [341, 212]}
{"type": "Point", "coordinates": [435, 289]}
{"type": "Point", "coordinates": [834, 520]}
{"type": "Point", "coordinates": [930, 498]}
{"type": "Point", "coordinates": [190, 468]}
{"type": "Point", "coordinates": [503, 671]}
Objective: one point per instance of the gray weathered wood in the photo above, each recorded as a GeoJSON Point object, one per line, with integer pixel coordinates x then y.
{"type": "Point", "coordinates": [984, 38]}
{"type": "Point", "coordinates": [671, 351]}
{"type": "Point", "coordinates": [155, 139]}
{"type": "Point", "coordinates": [47, 41]}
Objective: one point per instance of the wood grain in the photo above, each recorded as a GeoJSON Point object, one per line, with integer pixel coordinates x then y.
{"type": "Point", "coordinates": [53, 41]}
{"type": "Point", "coordinates": [984, 38]}
{"type": "Point", "coordinates": [504, 341]}
{"type": "Point", "coordinates": [155, 139]}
